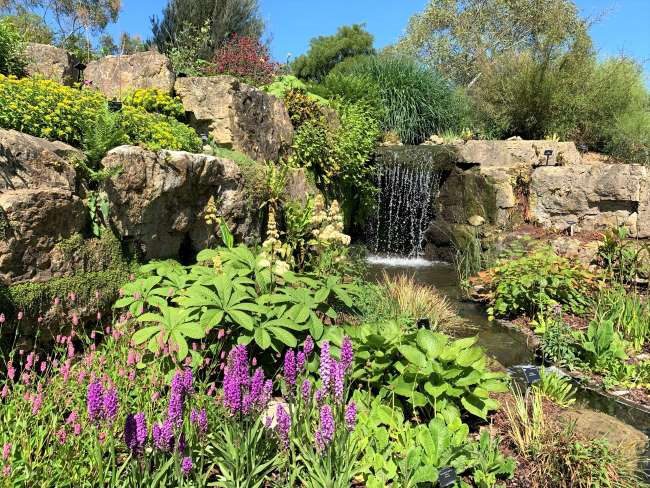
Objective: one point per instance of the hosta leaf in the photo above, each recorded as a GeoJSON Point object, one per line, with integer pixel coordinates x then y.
{"type": "Point", "coordinates": [413, 355]}
{"type": "Point", "coordinates": [432, 344]}
{"type": "Point", "coordinates": [474, 405]}
{"type": "Point", "coordinates": [262, 338]}
{"type": "Point", "coordinates": [284, 336]}
{"type": "Point", "coordinates": [425, 474]}
{"type": "Point", "coordinates": [467, 356]}
{"type": "Point", "coordinates": [193, 331]}
{"type": "Point", "coordinates": [242, 318]}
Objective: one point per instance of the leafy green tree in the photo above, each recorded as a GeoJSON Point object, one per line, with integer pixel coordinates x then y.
{"type": "Point", "coordinates": [31, 26]}
{"type": "Point", "coordinates": [12, 60]}
{"type": "Point", "coordinates": [69, 18]}
{"type": "Point", "coordinates": [223, 17]}
{"type": "Point", "coordinates": [325, 52]}
{"type": "Point", "coordinates": [128, 44]}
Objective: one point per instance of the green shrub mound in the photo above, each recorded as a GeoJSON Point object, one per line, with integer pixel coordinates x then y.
{"type": "Point", "coordinates": [44, 108]}
{"type": "Point", "coordinates": [12, 59]}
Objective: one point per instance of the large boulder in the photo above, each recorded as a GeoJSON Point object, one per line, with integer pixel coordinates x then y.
{"type": "Point", "coordinates": [116, 76]}
{"type": "Point", "coordinates": [50, 62]}
{"type": "Point", "coordinates": [237, 116]}
{"type": "Point", "coordinates": [38, 207]}
{"type": "Point", "coordinates": [30, 162]}
{"type": "Point", "coordinates": [592, 197]}
{"type": "Point", "coordinates": [517, 153]}
{"type": "Point", "coordinates": [159, 200]}
{"type": "Point", "coordinates": [32, 222]}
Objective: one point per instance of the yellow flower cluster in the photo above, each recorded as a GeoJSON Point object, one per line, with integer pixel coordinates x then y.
{"type": "Point", "coordinates": [275, 254]}
{"type": "Point", "coordinates": [328, 224]}
{"type": "Point", "coordinates": [154, 100]}
{"type": "Point", "coordinates": [45, 108]}
{"type": "Point", "coordinates": [210, 214]}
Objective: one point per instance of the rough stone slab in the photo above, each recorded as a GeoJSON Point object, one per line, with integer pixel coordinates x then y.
{"type": "Point", "coordinates": [50, 62]}
{"type": "Point", "coordinates": [30, 162]}
{"type": "Point", "coordinates": [596, 197]}
{"type": "Point", "coordinates": [237, 116]}
{"type": "Point", "coordinates": [158, 200]}
{"type": "Point", "coordinates": [32, 222]}
{"type": "Point", "coordinates": [517, 154]}
{"type": "Point", "coordinates": [117, 76]}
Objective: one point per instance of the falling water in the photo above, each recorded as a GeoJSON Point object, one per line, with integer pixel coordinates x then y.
{"type": "Point", "coordinates": [407, 191]}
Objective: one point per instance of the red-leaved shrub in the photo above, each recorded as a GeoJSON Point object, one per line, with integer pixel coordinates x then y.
{"type": "Point", "coordinates": [245, 58]}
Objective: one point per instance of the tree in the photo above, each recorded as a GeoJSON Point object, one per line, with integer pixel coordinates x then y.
{"type": "Point", "coordinates": [70, 18]}
{"type": "Point", "coordinates": [128, 44]}
{"type": "Point", "coordinates": [224, 18]}
{"type": "Point", "coordinates": [464, 38]}
{"type": "Point", "coordinates": [325, 52]}
{"type": "Point", "coordinates": [31, 26]}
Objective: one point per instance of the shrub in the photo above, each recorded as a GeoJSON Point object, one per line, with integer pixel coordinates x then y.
{"type": "Point", "coordinates": [47, 109]}
{"type": "Point", "coordinates": [418, 301]}
{"type": "Point", "coordinates": [282, 84]}
{"type": "Point", "coordinates": [102, 135]}
{"type": "Point", "coordinates": [325, 52]}
{"type": "Point", "coordinates": [302, 107]}
{"type": "Point", "coordinates": [417, 101]}
{"type": "Point", "coordinates": [629, 138]}
{"type": "Point", "coordinates": [155, 101]}
{"type": "Point", "coordinates": [245, 58]}
{"type": "Point", "coordinates": [12, 60]}
{"type": "Point", "coordinates": [536, 283]}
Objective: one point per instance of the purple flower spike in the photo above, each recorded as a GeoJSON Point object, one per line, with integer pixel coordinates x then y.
{"type": "Point", "coordinates": [235, 378]}
{"type": "Point", "coordinates": [325, 369]}
{"type": "Point", "coordinates": [199, 418]}
{"type": "Point", "coordinates": [290, 370]}
{"type": "Point", "coordinates": [163, 435]}
{"type": "Point", "coordinates": [308, 346]}
{"type": "Point", "coordinates": [110, 404]}
{"type": "Point", "coordinates": [338, 379]}
{"type": "Point", "coordinates": [347, 354]}
{"type": "Point", "coordinates": [283, 426]}
{"type": "Point", "coordinates": [186, 465]}
{"type": "Point", "coordinates": [305, 390]}
{"type": "Point", "coordinates": [301, 359]}
{"type": "Point", "coordinates": [94, 400]}
{"type": "Point", "coordinates": [351, 416]}
{"type": "Point", "coordinates": [135, 432]}
{"type": "Point", "coordinates": [325, 432]}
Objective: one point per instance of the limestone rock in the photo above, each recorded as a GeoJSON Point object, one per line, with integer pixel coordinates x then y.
{"type": "Point", "coordinates": [585, 252]}
{"type": "Point", "coordinates": [32, 222]}
{"type": "Point", "coordinates": [517, 153]}
{"type": "Point", "coordinates": [595, 425]}
{"type": "Point", "coordinates": [158, 200]}
{"type": "Point", "coordinates": [50, 62]}
{"type": "Point", "coordinates": [30, 162]}
{"type": "Point", "coordinates": [116, 76]}
{"type": "Point", "coordinates": [237, 116]}
{"type": "Point", "coordinates": [595, 197]}
{"type": "Point", "coordinates": [299, 187]}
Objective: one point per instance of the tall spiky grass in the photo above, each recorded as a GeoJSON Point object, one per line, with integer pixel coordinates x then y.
{"type": "Point", "coordinates": [415, 300]}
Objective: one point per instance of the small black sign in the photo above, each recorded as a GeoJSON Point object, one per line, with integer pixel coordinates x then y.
{"type": "Point", "coordinates": [114, 105]}
{"type": "Point", "coordinates": [424, 323]}
{"type": "Point", "coordinates": [548, 153]}
{"type": "Point", "coordinates": [531, 373]}
{"type": "Point", "coordinates": [446, 477]}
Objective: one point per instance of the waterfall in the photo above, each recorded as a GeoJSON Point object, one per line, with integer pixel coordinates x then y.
{"type": "Point", "coordinates": [408, 181]}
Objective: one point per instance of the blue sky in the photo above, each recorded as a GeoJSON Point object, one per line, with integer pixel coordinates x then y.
{"type": "Point", "coordinates": [292, 23]}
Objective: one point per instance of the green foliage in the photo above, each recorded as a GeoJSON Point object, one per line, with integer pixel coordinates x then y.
{"type": "Point", "coordinates": [417, 101]}
{"type": "Point", "coordinates": [351, 89]}
{"type": "Point", "coordinates": [630, 138]}
{"type": "Point", "coordinates": [303, 107]}
{"type": "Point", "coordinates": [281, 85]}
{"type": "Point", "coordinates": [155, 131]}
{"type": "Point", "coordinates": [237, 293]}
{"type": "Point", "coordinates": [185, 50]}
{"type": "Point", "coordinates": [326, 52]}
{"type": "Point", "coordinates": [102, 135]}
{"type": "Point", "coordinates": [31, 27]}
{"type": "Point", "coordinates": [156, 101]}
{"type": "Point", "coordinates": [429, 371]}
{"type": "Point", "coordinates": [44, 108]}
{"type": "Point", "coordinates": [602, 345]}
{"type": "Point", "coordinates": [536, 283]}
{"type": "Point", "coordinates": [219, 18]}
{"type": "Point", "coordinates": [559, 342]}
{"type": "Point", "coordinates": [623, 259]}
{"type": "Point", "coordinates": [254, 173]}
{"type": "Point", "coordinates": [556, 388]}
{"type": "Point", "coordinates": [12, 58]}
{"type": "Point", "coordinates": [628, 311]}
{"type": "Point", "coordinates": [410, 455]}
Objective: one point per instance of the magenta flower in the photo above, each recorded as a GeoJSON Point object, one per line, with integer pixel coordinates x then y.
{"type": "Point", "coordinates": [242, 393]}
{"type": "Point", "coordinates": [6, 450]}
{"type": "Point", "coordinates": [135, 432]}
{"type": "Point", "coordinates": [326, 428]}
{"type": "Point", "coordinates": [290, 371]}
{"type": "Point", "coordinates": [308, 346]}
{"type": "Point", "coordinates": [283, 426]}
{"type": "Point", "coordinates": [301, 359]}
{"type": "Point", "coordinates": [338, 380]}
{"type": "Point", "coordinates": [305, 390]}
{"type": "Point", "coordinates": [351, 416]}
{"type": "Point", "coordinates": [110, 404]}
{"type": "Point", "coordinates": [94, 400]}
{"type": "Point", "coordinates": [347, 354]}
{"type": "Point", "coordinates": [199, 418]}
{"type": "Point", "coordinates": [163, 435]}
{"type": "Point", "coordinates": [2, 318]}
{"type": "Point", "coordinates": [325, 369]}
{"type": "Point", "coordinates": [186, 465]}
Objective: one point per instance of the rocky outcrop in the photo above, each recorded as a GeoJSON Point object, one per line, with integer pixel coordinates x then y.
{"type": "Point", "coordinates": [516, 153]}
{"type": "Point", "coordinates": [237, 116]}
{"type": "Point", "coordinates": [50, 62]}
{"type": "Point", "coordinates": [158, 201]}
{"type": "Point", "coordinates": [116, 76]}
{"type": "Point", "coordinates": [38, 207]}
{"type": "Point", "coordinates": [592, 197]}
